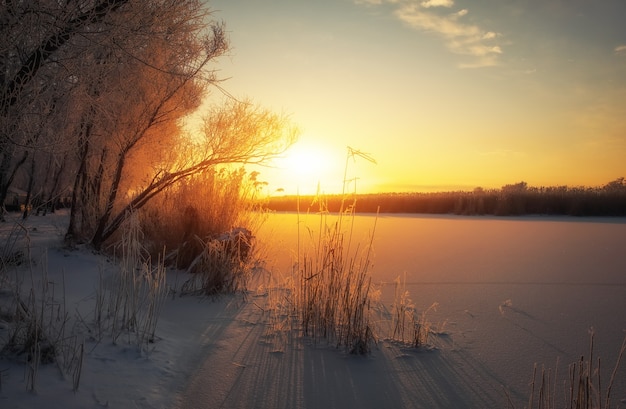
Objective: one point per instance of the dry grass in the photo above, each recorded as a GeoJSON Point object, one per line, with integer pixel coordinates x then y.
{"type": "Point", "coordinates": [207, 222]}
{"type": "Point", "coordinates": [36, 320]}
{"type": "Point", "coordinates": [582, 389]}
{"type": "Point", "coordinates": [224, 264]}
{"type": "Point", "coordinates": [331, 282]}
{"type": "Point", "coordinates": [15, 243]}
{"type": "Point", "coordinates": [206, 206]}
{"type": "Point", "coordinates": [129, 303]}
{"type": "Point", "coordinates": [332, 288]}
{"type": "Point", "coordinates": [332, 291]}
{"type": "Point", "coordinates": [407, 324]}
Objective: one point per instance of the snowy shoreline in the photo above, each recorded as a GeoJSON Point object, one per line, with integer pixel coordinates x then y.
{"type": "Point", "coordinates": [227, 352]}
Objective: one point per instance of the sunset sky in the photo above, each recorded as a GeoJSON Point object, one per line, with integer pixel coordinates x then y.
{"type": "Point", "coordinates": [444, 94]}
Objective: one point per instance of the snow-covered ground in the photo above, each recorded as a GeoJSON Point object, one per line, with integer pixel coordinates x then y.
{"type": "Point", "coordinates": [510, 293]}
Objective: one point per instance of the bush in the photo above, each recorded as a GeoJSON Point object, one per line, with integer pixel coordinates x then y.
{"type": "Point", "coordinates": [222, 265]}
{"type": "Point", "coordinates": [206, 224]}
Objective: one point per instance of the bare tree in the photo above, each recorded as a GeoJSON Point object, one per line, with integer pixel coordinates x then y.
{"type": "Point", "coordinates": [111, 81]}
{"type": "Point", "coordinates": [151, 72]}
{"type": "Point", "coordinates": [33, 38]}
{"type": "Point", "coordinates": [236, 132]}
{"type": "Point", "coordinates": [148, 72]}
{"type": "Point", "coordinates": [55, 23]}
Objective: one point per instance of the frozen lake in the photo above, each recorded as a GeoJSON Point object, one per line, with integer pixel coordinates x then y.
{"type": "Point", "coordinates": [511, 292]}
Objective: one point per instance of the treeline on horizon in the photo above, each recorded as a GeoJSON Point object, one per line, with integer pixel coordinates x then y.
{"type": "Point", "coordinates": [510, 200]}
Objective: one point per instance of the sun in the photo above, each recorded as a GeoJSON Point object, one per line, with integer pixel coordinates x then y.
{"type": "Point", "coordinates": [305, 166]}
{"type": "Point", "coordinates": [305, 161]}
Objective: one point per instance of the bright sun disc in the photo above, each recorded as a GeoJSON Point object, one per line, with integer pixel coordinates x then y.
{"type": "Point", "coordinates": [305, 161]}
{"type": "Point", "coordinates": [309, 167]}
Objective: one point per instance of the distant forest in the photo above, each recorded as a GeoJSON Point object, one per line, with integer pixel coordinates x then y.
{"type": "Point", "coordinates": [510, 200]}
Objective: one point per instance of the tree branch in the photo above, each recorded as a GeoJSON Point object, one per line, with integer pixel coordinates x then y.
{"type": "Point", "coordinates": [49, 46]}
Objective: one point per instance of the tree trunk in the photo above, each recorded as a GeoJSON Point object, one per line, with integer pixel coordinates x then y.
{"type": "Point", "coordinates": [7, 175]}
{"type": "Point", "coordinates": [49, 46]}
{"type": "Point", "coordinates": [99, 236]}
{"type": "Point", "coordinates": [97, 183]}
{"type": "Point", "coordinates": [29, 190]}
{"type": "Point", "coordinates": [52, 199]}
{"type": "Point", "coordinates": [76, 208]}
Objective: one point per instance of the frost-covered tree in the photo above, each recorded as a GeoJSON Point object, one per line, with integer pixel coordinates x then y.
{"type": "Point", "coordinates": [160, 72]}
{"type": "Point", "coordinates": [35, 47]}
{"type": "Point", "coordinates": [235, 132]}
{"type": "Point", "coordinates": [111, 81]}
{"type": "Point", "coordinates": [146, 73]}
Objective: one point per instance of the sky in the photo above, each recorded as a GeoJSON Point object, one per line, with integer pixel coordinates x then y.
{"type": "Point", "coordinates": [443, 94]}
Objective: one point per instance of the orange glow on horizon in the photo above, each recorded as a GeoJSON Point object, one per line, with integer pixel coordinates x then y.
{"type": "Point", "coordinates": [440, 108]}
{"type": "Point", "coordinates": [313, 166]}
{"type": "Point", "coordinates": [305, 168]}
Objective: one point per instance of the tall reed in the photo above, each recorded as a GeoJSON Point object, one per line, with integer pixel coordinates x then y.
{"type": "Point", "coordinates": [407, 324]}
{"type": "Point", "coordinates": [583, 388]}
{"type": "Point", "coordinates": [332, 284]}
{"type": "Point", "coordinates": [208, 222]}
{"type": "Point", "coordinates": [38, 318]}
{"type": "Point", "coordinates": [130, 303]}
{"type": "Point", "coordinates": [204, 206]}
{"type": "Point", "coordinates": [224, 264]}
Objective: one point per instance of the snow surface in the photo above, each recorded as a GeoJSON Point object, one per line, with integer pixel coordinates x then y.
{"type": "Point", "coordinates": [510, 293]}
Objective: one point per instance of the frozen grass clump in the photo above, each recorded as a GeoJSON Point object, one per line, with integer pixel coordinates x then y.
{"type": "Point", "coordinates": [206, 224]}
{"type": "Point", "coordinates": [205, 206]}
{"type": "Point", "coordinates": [407, 324]}
{"type": "Point", "coordinates": [332, 290]}
{"type": "Point", "coordinates": [36, 328]}
{"type": "Point", "coordinates": [129, 302]}
{"type": "Point", "coordinates": [224, 264]}
{"type": "Point", "coordinates": [583, 387]}
{"type": "Point", "coordinates": [12, 250]}
{"type": "Point", "coordinates": [332, 286]}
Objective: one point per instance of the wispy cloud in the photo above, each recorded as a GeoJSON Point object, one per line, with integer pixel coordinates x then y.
{"type": "Point", "coordinates": [462, 38]}
{"type": "Point", "coordinates": [620, 50]}
{"type": "Point", "coordinates": [437, 3]}
{"type": "Point", "coordinates": [371, 2]}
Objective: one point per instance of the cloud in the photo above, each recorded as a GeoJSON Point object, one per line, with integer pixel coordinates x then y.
{"type": "Point", "coordinates": [489, 35]}
{"type": "Point", "coordinates": [459, 13]}
{"type": "Point", "coordinates": [620, 50]}
{"type": "Point", "coordinates": [459, 37]}
{"type": "Point", "coordinates": [437, 3]}
{"type": "Point", "coordinates": [372, 2]}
